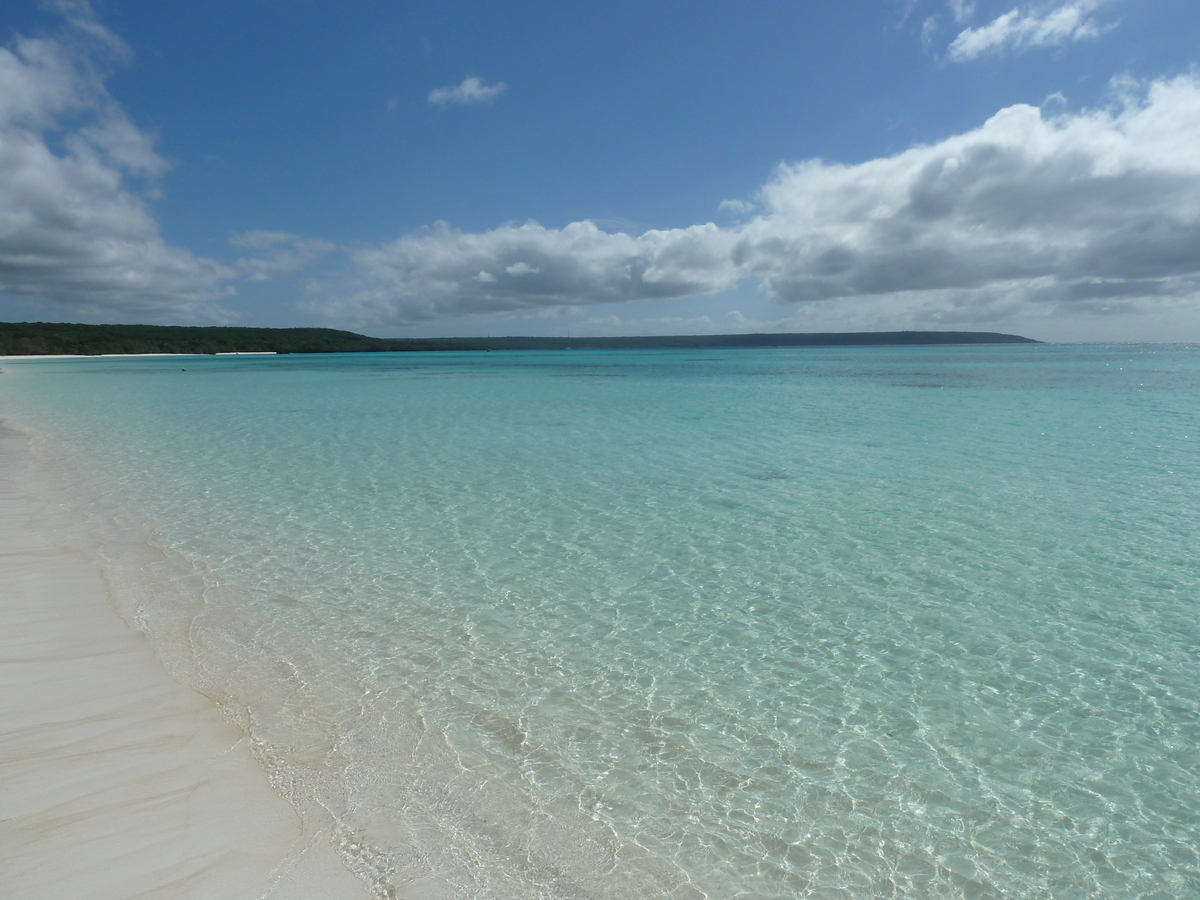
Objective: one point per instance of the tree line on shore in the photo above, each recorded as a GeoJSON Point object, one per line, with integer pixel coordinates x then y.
{"type": "Point", "coordinates": [54, 338]}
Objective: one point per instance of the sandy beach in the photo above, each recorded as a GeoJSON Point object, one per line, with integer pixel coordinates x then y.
{"type": "Point", "coordinates": [116, 781]}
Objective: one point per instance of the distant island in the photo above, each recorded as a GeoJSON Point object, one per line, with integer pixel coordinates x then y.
{"type": "Point", "coordinates": [52, 338]}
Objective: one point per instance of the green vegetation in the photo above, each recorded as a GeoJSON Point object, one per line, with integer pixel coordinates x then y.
{"type": "Point", "coordinates": [47, 338]}
{"type": "Point", "coordinates": [40, 338]}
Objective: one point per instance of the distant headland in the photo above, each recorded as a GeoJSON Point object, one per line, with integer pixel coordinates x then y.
{"type": "Point", "coordinates": [53, 338]}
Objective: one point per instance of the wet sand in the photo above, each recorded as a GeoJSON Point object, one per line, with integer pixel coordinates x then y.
{"type": "Point", "coordinates": [116, 781]}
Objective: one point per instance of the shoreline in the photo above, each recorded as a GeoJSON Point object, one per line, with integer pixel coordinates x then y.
{"type": "Point", "coordinates": [116, 780]}
{"type": "Point", "coordinates": [121, 355]}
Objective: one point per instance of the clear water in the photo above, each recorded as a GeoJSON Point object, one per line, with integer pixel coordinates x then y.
{"type": "Point", "coordinates": [820, 623]}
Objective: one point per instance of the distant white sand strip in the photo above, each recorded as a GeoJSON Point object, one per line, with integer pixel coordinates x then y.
{"type": "Point", "coordinates": [112, 355]}
{"type": "Point", "coordinates": [116, 781]}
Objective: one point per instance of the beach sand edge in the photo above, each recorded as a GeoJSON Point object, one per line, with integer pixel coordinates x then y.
{"type": "Point", "coordinates": [116, 780]}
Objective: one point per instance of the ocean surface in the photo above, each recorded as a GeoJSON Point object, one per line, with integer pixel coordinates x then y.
{"type": "Point", "coordinates": [800, 623]}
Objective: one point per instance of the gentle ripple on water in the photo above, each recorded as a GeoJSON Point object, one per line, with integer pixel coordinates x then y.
{"type": "Point", "coordinates": [903, 622]}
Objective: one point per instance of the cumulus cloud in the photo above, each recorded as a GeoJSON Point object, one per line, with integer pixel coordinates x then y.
{"type": "Point", "coordinates": [75, 229]}
{"type": "Point", "coordinates": [1098, 210]}
{"type": "Point", "coordinates": [443, 271]}
{"type": "Point", "coordinates": [1017, 30]}
{"type": "Point", "coordinates": [469, 91]}
{"type": "Point", "coordinates": [1075, 208]}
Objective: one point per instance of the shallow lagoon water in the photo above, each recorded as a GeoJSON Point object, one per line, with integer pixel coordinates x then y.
{"type": "Point", "coordinates": [861, 622]}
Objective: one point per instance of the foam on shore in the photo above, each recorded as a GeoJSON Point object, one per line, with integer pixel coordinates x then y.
{"type": "Point", "coordinates": [116, 781]}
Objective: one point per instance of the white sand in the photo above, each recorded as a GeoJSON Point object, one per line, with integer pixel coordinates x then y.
{"type": "Point", "coordinates": [116, 781]}
{"type": "Point", "coordinates": [118, 355]}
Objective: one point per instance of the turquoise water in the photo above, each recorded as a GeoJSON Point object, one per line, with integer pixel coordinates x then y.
{"type": "Point", "coordinates": [828, 623]}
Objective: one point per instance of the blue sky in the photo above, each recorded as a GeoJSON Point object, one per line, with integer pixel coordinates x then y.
{"type": "Point", "coordinates": [604, 168]}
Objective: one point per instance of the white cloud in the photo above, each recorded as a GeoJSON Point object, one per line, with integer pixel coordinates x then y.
{"type": "Point", "coordinates": [929, 31]}
{"type": "Point", "coordinates": [443, 271]}
{"type": "Point", "coordinates": [736, 206]}
{"type": "Point", "coordinates": [521, 268]}
{"type": "Point", "coordinates": [1095, 212]}
{"type": "Point", "coordinates": [75, 231]}
{"type": "Point", "coordinates": [908, 6]}
{"type": "Point", "coordinates": [962, 10]}
{"type": "Point", "coordinates": [470, 90]}
{"type": "Point", "coordinates": [1017, 30]}
{"type": "Point", "coordinates": [1084, 208]}
{"type": "Point", "coordinates": [279, 253]}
